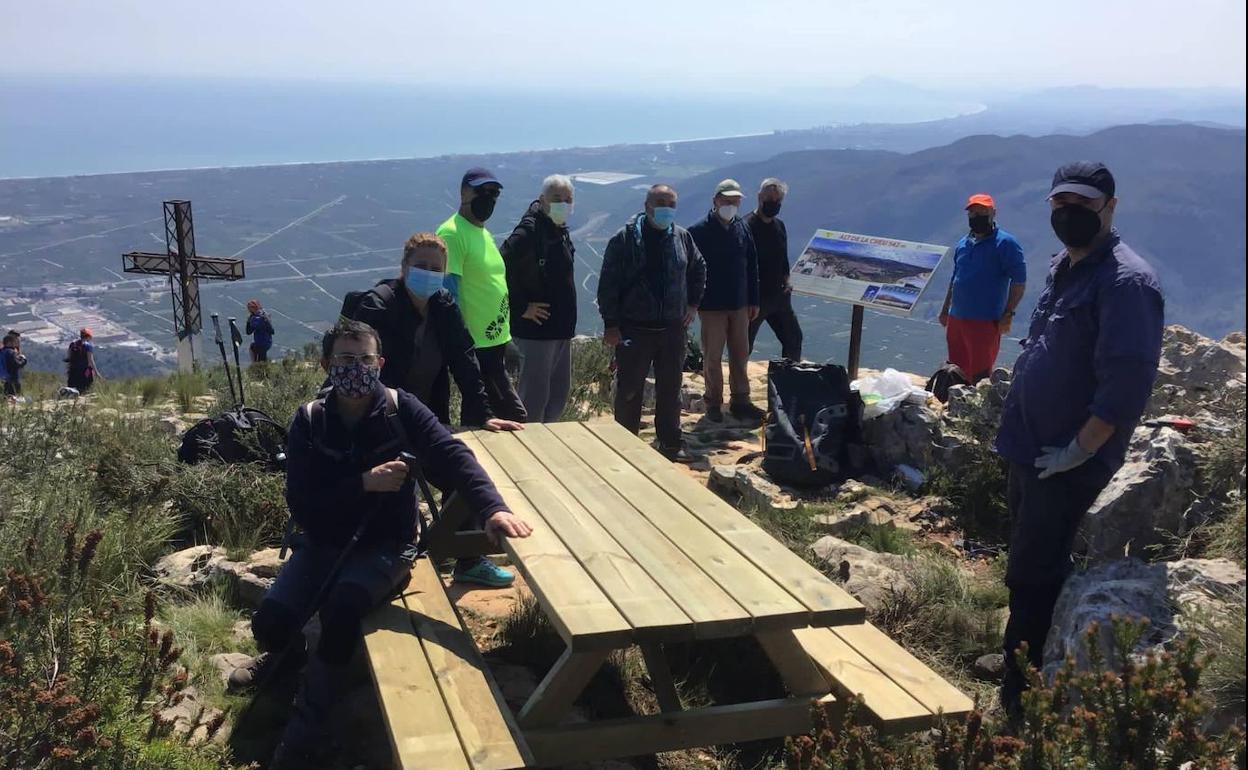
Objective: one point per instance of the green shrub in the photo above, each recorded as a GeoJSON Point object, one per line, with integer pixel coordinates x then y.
{"type": "Point", "coordinates": [1118, 714]}
{"type": "Point", "coordinates": [1221, 635]}
{"type": "Point", "coordinates": [240, 507]}
{"type": "Point", "coordinates": [152, 390]}
{"type": "Point", "coordinates": [590, 394]}
{"type": "Point", "coordinates": [883, 538]}
{"type": "Point", "coordinates": [188, 386]}
{"type": "Point", "coordinates": [947, 612]}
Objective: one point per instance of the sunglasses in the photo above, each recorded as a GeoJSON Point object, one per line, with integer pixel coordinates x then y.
{"type": "Point", "coordinates": [349, 359]}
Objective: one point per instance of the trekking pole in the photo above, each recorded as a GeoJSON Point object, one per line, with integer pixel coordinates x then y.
{"type": "Point", "coordinates": [225, 361]}
{"type": "Point", "coordinates": [237, 338]}
{"type": "Point", "coordinates": [414, 471]}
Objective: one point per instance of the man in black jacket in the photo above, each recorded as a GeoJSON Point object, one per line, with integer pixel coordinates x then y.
{"type": "Point", "coordinates": [541, 285]}
{"type": "Point", "coordinates": [652, 280]}
{"type": "Point", "coordinates": [334, 478]}
{"type": "Point", "coordinates": [730, 303]}
{"type": "Point", "coordinates": [775, 293]}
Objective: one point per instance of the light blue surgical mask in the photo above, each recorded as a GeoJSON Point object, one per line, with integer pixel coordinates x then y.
{"type": "Point", "coordinates": [559, 212]}
{"type": "Point", "coordinates": [664, 216]}
{"type": "Point", "coordinates": [423, 283]}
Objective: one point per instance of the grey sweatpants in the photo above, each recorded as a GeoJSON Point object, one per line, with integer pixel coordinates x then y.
{"type": "Point", "coordinates": [545, 377]}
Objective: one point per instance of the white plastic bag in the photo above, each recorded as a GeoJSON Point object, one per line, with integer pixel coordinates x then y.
{"type": "Point", "coordinates": [884, 392]}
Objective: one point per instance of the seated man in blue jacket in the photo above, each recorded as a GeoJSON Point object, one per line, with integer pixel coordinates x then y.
{"type": "Point", "coordinates": [342, 465]}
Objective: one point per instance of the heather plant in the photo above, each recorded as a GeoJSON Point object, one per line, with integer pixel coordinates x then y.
{"type": "Point", "coordinates": [1122, 712]}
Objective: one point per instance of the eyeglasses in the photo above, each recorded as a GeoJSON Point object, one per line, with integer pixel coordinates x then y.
{"type": "Point", "coordinates": [348, 359]}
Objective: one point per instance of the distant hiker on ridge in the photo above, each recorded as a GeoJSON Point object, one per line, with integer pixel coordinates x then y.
{"type": "Point", "coordinates": [989, 278]}
{"type": "Point", "coordinates": [775, 293]}
{"type": "Point", "coordinates": [11, 363]}
{"type": "Point", "coordinates": [652, 281]}
{"type": "Point", "coordinates": [730, 303]}
{"type": "Point", "coordinates": [261, 329]}
{"type": "Point", "coordinates": [427, 345]}
{"type": "Point", "coordinates": [541, 282]}
{"type": "Point", "coordinates": [80, 358]}
{"type": "Point", "coordinates": [477, 277]}
{"type": "Point", "coordinates": [1079, 388]}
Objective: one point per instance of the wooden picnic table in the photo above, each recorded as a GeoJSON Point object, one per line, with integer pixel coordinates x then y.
{"type": "Point", "coordinates": [627, 549]}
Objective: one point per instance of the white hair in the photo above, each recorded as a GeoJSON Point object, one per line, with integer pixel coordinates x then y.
{"type": "Point", "coordinates": [557, 182]}
{"type": "Point", "coordinates": [771, 181]}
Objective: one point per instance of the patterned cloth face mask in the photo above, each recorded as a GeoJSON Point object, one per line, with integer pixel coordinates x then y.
{"type": "Point", "coordinates": [354, 380]}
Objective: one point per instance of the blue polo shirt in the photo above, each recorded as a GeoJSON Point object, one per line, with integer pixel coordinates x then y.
{"type": "Point", "coordinates": [1092, 349]}
{"type": "Point", "coordinates": [983, 270]}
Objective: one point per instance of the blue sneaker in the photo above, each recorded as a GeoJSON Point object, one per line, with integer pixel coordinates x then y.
{"type": "Point", "coordinates": [486, 573]}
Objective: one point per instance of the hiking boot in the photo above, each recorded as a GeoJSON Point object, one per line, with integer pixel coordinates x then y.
{"type": "Point", "coordinates": [260, 668]}
{"type": "Point", "coordinates": [677, 454]}
{"type": "Point", "coordinates": [290, 756]}
{"type": "Point", "coordinates": [486, 573]}
{"type": "Point", "coordinates": [744, 410]}
{"type": "Point", "coordinates": [715, 414]}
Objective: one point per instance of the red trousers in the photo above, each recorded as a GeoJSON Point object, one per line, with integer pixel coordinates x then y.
{"type": "Point", "coordinates": [973, 346]}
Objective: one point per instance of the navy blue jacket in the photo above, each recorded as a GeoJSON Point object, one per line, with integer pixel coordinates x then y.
{"type": "Point", "coordinates": [731, 263]}
{"type": "Point", "coordinates": [326, 494]}
{"type": "Point", "coordinates": [1092, 349]}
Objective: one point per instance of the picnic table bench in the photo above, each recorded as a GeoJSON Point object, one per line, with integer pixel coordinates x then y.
{"type": "Point", "coordinates": [628, 550]}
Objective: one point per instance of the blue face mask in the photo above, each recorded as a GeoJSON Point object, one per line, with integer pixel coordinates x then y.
{"type": "Point", "coordinates": [664, 217]}
{"type": "Point", "coordinates": [423, 283]}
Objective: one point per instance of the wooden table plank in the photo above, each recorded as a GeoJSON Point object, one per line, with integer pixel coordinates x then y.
{"type": "Point", "coordinates": [712, 610]}
{"type": "Point", "coordinates": [480, 715]}
{"type": "Point", "coordinates": [911, 674]}
{"type": "Point", "coordinates": [768, 603]}
{"type": "Point", "coordinates": [651, 612]}
{"type": "Point", "coordinates": [828, 603]}
{"type": "Point", "coordinates": [578, 609]}
{"type": "Point", "coordinates": [421, 732]}
{"type": "Point", "coordinates": [849, 673]}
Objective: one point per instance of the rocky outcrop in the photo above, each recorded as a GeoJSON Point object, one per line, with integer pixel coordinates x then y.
{"type": "Point", "coordinates": [1145, 502]}
{"type": "Point", "coordinates": [1131, 588]}
{"type": "Point", "coordinates": [201, 565]}
{"type": "Point", "coordinates": [749, 485]}
{"type": "Point", "coordinates": [1196, 372]}
{"type": "Point", "coordinates": [870, 577]}
{"type": "Point", "coordinates": [906, 435]}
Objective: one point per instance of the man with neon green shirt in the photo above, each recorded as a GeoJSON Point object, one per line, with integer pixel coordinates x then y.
{"type": "Point", "coordinates": [477, 276]}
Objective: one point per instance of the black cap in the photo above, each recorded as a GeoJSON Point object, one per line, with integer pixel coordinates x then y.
{"type": "Point", "coordinates": [477, 176]}
{"type": "Point", "coordinates": [1083, 177]}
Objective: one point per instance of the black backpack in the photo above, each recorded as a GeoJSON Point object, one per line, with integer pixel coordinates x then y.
{"type": "Point", "coordinates": [351, 302]}
{"type": "Point", "coordinates": [813, 418]}
{"type": "Point", "coordinates": [77, 355]}
{"type": "Point", "coordinates": [945, 378]}
{"type": "Point", "coordinates": [242, 435]}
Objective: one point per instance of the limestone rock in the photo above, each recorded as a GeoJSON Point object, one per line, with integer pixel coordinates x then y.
{"type": "Point", "coordinates": [266, 563]}
{"type": "Point", "coordinates": [192, 718]}
{"type": "Point", "coordinates": [989, 668]}
{"type": "Point", "coordinates": [1131, 588]}
{"type": "Point", "coordinates": [227, 662]}
{"type": "Point", "coordinates": [906, 435]}
{"type": "Point", "coordinates": [873, 511]}
{"type": "Point", "coordinates": [189, 568]}
{"type": "Point", "coordinates": [1196, 372]}
{"type": "Point", "coordinates": [247, 587]}
{"type": "Point", "coordinates": [1145, 500]}
{"type": "Point", "coordinates": [872, 577]}
{"type": "Point", "coordinates": [750, 485]}
{"type": "Point", "coordinates": [172, 426]}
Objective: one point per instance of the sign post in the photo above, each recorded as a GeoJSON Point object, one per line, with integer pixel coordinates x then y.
{"type": "Point", "coordinates": [885, 274]}
{"type": "Point", "coordinates": [184, 269]}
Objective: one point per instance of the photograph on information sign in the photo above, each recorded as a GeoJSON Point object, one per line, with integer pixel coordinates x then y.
{"type": "Point", "coordinates": [882, 273]}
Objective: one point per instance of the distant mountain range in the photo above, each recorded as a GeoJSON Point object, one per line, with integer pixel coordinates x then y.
{"type": "Point", "coordinates": [1181, 192]}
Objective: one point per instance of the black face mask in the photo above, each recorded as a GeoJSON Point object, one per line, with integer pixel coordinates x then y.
{"type": "Point", "coordinates": [980, 223]}
{"type": "Point", "coordinates": [770, 208]}
{"type": "Point", "coordinates": [483, 207]}
{"type": "Point", "coordinates": [1075, 226]}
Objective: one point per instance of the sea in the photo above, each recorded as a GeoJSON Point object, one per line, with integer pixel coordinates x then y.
{"type": "Point", "coordinates": [57, 126]}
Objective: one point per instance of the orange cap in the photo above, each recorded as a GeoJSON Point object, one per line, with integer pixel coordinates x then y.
{"type": "Point", "coordinates": [85, 332]}
{"type": "Point", "coordinates": [980, 199]}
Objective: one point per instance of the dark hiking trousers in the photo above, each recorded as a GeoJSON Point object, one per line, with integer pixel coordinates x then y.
{"type": "Point", "coordinates": [505, 403]}
{"type": "Point", "coordinates": [1044, 518]}
{"type": "Point", "coordinates": [639, 349]}
{"type": "Point", "coordinates": [778, 313]}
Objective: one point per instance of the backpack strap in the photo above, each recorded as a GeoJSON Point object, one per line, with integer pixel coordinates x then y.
{"type": "Point", "coordinates": [315, 412]}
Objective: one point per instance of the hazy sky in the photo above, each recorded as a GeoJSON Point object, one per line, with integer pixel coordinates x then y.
{"type": "Point", "coordinates": [659, 45]}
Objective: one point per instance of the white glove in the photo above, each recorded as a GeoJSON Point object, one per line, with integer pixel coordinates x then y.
{"type": "Point", "coordinates": [1061, 459]}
